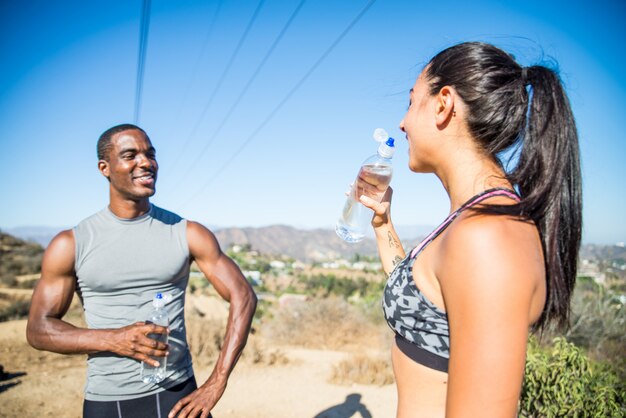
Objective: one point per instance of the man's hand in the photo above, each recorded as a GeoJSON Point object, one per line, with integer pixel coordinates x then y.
{"type": "Point", "coordinates": [233, 287]}
{"type": "Point", "coordinates": [200, 402]}
{"type": "Point", "coordinates": [134, 341]}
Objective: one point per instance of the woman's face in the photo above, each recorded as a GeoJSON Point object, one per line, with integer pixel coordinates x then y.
{"type": "Point", "coordinates": [419, 125]}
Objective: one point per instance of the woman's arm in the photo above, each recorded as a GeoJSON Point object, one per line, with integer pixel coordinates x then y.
{"type": "Point", "coordinates": [490, 270]}
{"type": "Point", "coordinates": [389, 246]}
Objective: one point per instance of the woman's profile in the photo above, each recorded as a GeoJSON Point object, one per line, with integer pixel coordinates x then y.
{"type": "Point", "coordinates": [503, 263]}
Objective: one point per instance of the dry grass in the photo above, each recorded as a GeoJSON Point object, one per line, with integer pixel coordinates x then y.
{"type": "Point", "coordinates": [330, 323]}
{"type": "Point", "coordinates": [14, 309]}
{"type": "Point", "coordinates": [205, 337]}
{"type": "Point", "coordinates": [259, 354]}
{"type": "Point", "coordinates": [326, 323]}
{"type": "Point", "coordinates": [364, 370]}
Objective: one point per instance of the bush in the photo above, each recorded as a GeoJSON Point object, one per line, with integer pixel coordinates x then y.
{"type": "Point", "coordinates": [364, 370]}
{"type": "Point", "coordinates": [16, 310]}
{"type": "Point", "coordinates": [598, 324]}
{"type": "Point", "coordinates": [259, 355]}
{"type": "Point", "coordinates": [18, 257]}
{"type": "Point", "coordinates": [324, 285]}
{"type": "Point", "coordinates": [329, 323]}
{"type": "Point", "coordinates": [205, 338]}
{"type": "Point", "coordinates": [560, 381]}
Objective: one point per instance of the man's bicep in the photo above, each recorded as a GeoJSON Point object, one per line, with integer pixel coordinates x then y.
{"type": "Point", "coordinates": [203, 247]}
{"type": "Point", "coordinates": [205, 251]}
{"type": "Point", "coordinates": [54, 291]}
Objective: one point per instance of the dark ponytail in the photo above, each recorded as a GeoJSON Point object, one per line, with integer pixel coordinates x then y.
{"type": "Point", "coordinates": [547, 175]}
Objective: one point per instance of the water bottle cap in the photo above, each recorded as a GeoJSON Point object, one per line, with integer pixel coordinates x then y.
{"type": "Point", "coordinates": [160, 299]}
{"type": "Point", "coordinates": [386, 149]}
{"type": "Point", "coordinates": [380, 135]}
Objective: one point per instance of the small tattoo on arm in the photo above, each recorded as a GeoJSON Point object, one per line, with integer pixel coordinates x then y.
{"type": "Point", "coordinates": [393, 243]}
{"type": "Point", "coordinates": [394, 262]}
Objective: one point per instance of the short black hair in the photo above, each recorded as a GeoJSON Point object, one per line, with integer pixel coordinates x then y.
{"type": "Point", "coordinates": [104, 142]}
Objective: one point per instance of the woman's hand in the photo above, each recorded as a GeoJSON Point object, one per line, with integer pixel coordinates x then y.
{"type": "Point", "coordinates": [389, 246]}
{"type": "Point", "coordinates": [382, 209]}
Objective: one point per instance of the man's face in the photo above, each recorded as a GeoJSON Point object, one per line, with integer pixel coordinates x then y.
{"type": "Point", "coordinates": [131, 167]}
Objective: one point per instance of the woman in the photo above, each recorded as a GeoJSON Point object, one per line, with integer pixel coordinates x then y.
{"type": "Point", "coordinates": [504, 261]}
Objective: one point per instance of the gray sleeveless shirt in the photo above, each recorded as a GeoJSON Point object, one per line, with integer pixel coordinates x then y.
{"type": "Point", "coordinates": [120, 265]}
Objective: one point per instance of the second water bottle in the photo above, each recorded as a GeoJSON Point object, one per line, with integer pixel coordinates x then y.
{"type": "Point", "coordinates": [151, 374]}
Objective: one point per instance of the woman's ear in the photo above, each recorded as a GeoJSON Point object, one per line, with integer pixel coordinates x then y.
{"type": "Point", "coordinates": [445, 106]}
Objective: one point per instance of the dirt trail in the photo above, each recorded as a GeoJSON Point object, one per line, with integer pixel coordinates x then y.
{"type": "Point", "coordinates": [50, 385]}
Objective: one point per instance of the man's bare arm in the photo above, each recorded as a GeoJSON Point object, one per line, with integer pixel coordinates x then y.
{"type": "Point", "coordinates": [46, 329]}
{"type": "Point", "coordinates": [229, 282]}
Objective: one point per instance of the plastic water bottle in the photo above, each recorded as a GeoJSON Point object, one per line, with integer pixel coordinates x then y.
{"type": "Point", "coordinates": [149, 373]}
{"type": "Point", "coordinates": [372, 181]}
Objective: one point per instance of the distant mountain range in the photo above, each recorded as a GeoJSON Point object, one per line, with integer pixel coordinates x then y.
{"type": "Point", "coordinates": [305, 244]}
{"type": "Point", "coordinates": [594, 252]}
{"type": "Point", "coordinates": [301, 244]}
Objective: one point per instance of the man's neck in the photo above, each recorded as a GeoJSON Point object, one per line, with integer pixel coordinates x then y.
{"type": "Point", "coordinates": [129, 209]}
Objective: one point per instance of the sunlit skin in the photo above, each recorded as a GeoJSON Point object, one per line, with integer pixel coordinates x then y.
{"type": "Point", "coordinates": [131, 170]}
{"type": "Point", "coordinates": [486, 272]}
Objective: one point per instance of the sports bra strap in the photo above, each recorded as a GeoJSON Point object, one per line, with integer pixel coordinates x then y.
{"type": "Point", "coordinates": [471, 202]}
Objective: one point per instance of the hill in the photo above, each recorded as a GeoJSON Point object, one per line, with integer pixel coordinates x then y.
{"type": "Point", "coordinates": [316, 244]}
{"type": "Point", "coordinates": [42, 235]}
{"type": "Point", "coordinates": [301, 244]}
{"type": "Point", "coordinates": [18, 258]}
{"type": "Point", "coordinates": [607, 253]}
{"type": "Point", "coordinates": [304, 245]}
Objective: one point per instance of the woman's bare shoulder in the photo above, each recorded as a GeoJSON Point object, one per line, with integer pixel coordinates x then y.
{"type": "Point", "coordinates": [492, 250]}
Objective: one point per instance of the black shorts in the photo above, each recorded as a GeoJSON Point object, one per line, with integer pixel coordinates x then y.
{"type": "Point", "coordinates": [151, 406]}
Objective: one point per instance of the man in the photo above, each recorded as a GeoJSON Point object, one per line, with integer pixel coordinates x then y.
{"type": "Point", "coordinates": [117, 260]}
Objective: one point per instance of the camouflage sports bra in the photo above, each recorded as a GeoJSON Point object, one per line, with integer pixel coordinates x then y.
{"type": "Point", "coordinates": [422, 329]}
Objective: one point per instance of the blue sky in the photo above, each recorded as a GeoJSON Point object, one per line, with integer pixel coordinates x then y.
{"type": "Point", "coordinates": [69, 72]}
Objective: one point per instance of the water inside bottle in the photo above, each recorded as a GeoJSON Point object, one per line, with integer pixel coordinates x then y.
{"type": "Point", "coordinates": [372, 181]}
{"type": "Point", "coordinates": [149, 373]}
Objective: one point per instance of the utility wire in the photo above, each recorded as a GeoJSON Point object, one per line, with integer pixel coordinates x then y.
{"type": "Point", "coordinates": [224, 73]}
{"type": "Point", "coordinates": [245, 89]}
{"type": "Point", "coordinates": [143, 41]}
{"type": "Point", "coordinates": [282, 103]}
{"type": "Point", "coordinates": [194, 74]}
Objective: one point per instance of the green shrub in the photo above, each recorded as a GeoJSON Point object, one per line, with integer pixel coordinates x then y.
{"type": "Point", "coordinates": [560, 381]}
{"type": "Point", "coordinates": [325, 285]}
{"type": "Point", "coordinates": [598, 324]}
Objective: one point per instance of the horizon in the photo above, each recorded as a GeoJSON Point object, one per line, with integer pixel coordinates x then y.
{"type": "Point", "coordinates": [298, 88]}
{"type": "Point", "coordinates": [24, 231]}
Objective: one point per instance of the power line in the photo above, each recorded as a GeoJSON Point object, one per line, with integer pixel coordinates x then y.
{"type": "Point", "coordinates": [224, 73]}
{"type": "Point", "coordinates": [194, 74]}
{"type": "Point", "coordinates": [245, 89]}
{"type": "Point", "coordinates": [143, 44]}
{"type": "Point", "coordinates": [282, 102]}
